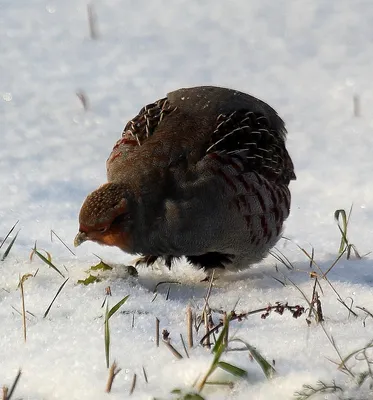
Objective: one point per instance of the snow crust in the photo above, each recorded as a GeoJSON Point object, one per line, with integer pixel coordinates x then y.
{"type": "Point", "coordinates": [306, 59]}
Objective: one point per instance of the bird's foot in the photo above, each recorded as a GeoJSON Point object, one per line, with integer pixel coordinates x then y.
{"type": "Point", "coordinates": [148, 260]}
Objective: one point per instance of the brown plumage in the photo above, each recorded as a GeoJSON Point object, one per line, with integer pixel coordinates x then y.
{"type": "Point", "coordinates": [201, 173]}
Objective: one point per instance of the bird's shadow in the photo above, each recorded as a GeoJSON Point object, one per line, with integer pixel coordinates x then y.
{"type": "Point", "coordinates": [184, 283]}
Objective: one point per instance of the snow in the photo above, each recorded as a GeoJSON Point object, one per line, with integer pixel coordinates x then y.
{"type": "Point", "coordinates": [306, 59]}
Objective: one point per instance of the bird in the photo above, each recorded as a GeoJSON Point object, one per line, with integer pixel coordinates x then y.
{"type": "Point", "coordinates": [203, 173]}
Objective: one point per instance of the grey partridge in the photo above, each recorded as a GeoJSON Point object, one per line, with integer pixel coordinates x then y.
{"type": "Point", "coordinates": [202, 173]}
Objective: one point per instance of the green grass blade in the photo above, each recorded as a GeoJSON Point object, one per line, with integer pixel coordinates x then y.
{"type": "Point", "coordinates": [5, 255]}
{"type": "Point", "coordinates": [232, 369]}
{"type": "Point", "coordinates": [8, 234]}
{"type": "Point", "coordinates": [266, 367]}
{"type": "Point", "coordinates": [343, 229]}
{"type": "Point", "coordinates": [54, 298]}
{"type": "Point", "coordinates": [117, 306]}
{"type": "Point", "coordinates": [48, 262]}
{"type": "Point", "coordinates": [107, 337]}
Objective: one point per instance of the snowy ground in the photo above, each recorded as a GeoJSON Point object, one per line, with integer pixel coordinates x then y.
{"type": "Point", "coordinates": [308, 59]}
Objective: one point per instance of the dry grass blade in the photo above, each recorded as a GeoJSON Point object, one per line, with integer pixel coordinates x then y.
{"type": "Point", "coordinates": [92, 22]}
{"type": "Point", "coordinates": [5, 255]}
{"type": "Point", "coordinates": [145, 375]}
{"type": "Point", "coordinates": [8, 234]}
{"type": "Point", "coordinates": [207, 342]}
{"type": "Point", "coordinates": [354, 353]}
{"type": "Point", "coordinates": [324, 276]}
{"type": "Point", "coordinates": [190, 327]}
{"type": "Point", "coordinates": [133, 386]}
{"type": "Point", "coordinates": [279, 256]}
{"type": "Point", "coordinates": [342, 364]}
{"type": "Point", "coordinates": [54, 298]}
{"type": "Point", "coordinates": [365, 310]}
{"type": "Point", "coordinates": [356, 105]}
{"type": "Point", "coordinates": [226, 336]}
{"type": "Point", "coordinates": [20, 286]}
{"type": "Point", "coordinates": [66, 246]}
{"type": "Point", "coordinates": [107, 336]}
{"type": "Point", "coordinates": [185, 349]}
{"type": "Point", "coordinates": [83, 99]}
{"type": "Point", "coordinates": [157, 332]}
{"type": "Point", "coordinates": [8, 393]}
{"type": "Point", "coordinates": [155, 290]}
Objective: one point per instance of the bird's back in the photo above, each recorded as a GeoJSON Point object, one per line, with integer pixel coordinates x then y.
{"type": "Point", "coordinates": [190, 123]}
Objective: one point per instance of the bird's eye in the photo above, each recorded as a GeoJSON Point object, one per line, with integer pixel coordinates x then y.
{"type": "Point", "coordinates": [102, 230]}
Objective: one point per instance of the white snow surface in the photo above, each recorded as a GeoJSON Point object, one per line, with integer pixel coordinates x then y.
{"type": "Point", "coordinates": [307, 59]}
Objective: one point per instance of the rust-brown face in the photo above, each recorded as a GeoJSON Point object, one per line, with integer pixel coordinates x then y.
{"type": "Point", "coordinates": [104, 218]}
{"type": "Point", "coordinates": [111, 237]}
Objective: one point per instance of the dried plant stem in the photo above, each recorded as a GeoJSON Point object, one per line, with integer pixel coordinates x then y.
{"type": "Point", "coordinates": [319, 313]}
{"type": "Point", "coordinates": [23, 309]}
{"type": "Point", "coordinates": [173, 350]}
{"type": "Point", "coordinates": [233, 316]}
{"type": "Point", "coordinates": [190, 327]}
{"type": "Point", "coordinates": [113, 372]}
{"type": "Point", "coordinates": [225, 322]}
{"type": "Point", "coordinates": [157, 332]}
{"type": "Point", "coordinates": [207, 341]}
{"type": "Point", "coordinates": [185, 349]}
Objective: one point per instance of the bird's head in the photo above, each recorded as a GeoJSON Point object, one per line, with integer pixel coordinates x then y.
{"type": "Point", "coordinates": [105, 218]}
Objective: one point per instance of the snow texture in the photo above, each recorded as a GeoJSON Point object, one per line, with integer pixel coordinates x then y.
{"type": "Point", "coordinates": [307, 59]}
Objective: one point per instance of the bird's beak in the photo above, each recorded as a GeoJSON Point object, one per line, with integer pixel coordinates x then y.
{"type": "Point", "coordinates": [80, 238]}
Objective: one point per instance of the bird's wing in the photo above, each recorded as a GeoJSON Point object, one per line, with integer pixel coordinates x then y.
{"type": "Point", "coordinates": [137, 131]}
{"type": "Point", "coordinates": [247, 138]}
